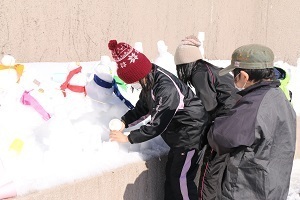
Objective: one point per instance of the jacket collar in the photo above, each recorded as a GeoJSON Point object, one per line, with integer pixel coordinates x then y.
{"type": "Point", "coordinates": [270, 84]}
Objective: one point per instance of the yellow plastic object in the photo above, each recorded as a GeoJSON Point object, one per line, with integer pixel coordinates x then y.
{"type": "Point", "coordinates": [18, 67]}
{"type": "Point", "coordinates": [17, 145]}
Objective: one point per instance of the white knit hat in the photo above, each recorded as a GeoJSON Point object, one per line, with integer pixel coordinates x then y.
{"type": "Point", "coordinates": [188, 51]}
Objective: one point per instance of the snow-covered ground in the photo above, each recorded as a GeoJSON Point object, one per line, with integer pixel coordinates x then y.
{"type": "Point", "coordinates": [37, 152]}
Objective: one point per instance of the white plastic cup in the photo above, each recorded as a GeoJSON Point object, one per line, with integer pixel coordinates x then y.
{"type": "Point", "coordinates": [115, 125]}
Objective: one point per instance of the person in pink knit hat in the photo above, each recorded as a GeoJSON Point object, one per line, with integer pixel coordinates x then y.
{"type": "Point", "coordinates": [217, 94]}
{"type": "Point", "coordinates": [176, 114]}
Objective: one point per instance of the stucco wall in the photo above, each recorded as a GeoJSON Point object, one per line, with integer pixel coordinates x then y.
{"type": "Point", "coordinates": [141, 180]}
{"type": "Point", "coordinates": [77, 30]}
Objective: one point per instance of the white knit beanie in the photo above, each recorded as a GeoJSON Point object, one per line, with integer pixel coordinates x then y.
{"type": "Point", "coordinates": [188, 51]}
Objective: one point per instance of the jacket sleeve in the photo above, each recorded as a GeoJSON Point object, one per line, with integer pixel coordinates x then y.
{"type": "Point", "coordinates": [137, 114]}
{"type": "Point", "coordinates": [205, 90]}
{"type": "Point", "coordinates": [166, 102]}
{"type": "Point", "coordinates": [233, 130]}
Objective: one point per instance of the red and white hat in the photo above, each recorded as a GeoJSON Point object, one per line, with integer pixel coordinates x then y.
{"type": "Point", "coordinates": [132, 64]}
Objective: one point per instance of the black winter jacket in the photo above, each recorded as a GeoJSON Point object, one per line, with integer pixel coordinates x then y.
{"type": "Point", "coordinates": [217, 93]}
{"type": "Point", "coordinates": [177, 114]}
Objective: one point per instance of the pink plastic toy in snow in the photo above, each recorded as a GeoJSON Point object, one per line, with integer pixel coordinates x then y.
{"type": "Point", "coordinates": [27, 99]}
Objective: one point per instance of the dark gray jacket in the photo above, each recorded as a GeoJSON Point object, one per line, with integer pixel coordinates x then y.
{"type": "Point", "coordinates": [259, 134]}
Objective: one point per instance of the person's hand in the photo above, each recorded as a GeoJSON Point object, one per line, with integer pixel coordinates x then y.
{"type": "Point", "coordinates": [118, 136]}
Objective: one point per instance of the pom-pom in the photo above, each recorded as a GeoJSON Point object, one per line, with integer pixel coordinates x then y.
{"type": "Point", "coordinates": [112, 44]}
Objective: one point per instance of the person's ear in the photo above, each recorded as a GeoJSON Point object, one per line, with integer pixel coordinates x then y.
{"type": "Point", "coordinates": [244, 76]}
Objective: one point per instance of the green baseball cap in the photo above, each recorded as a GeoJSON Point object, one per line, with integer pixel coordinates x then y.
{"type": "Point", "coordinates": [252, 56]}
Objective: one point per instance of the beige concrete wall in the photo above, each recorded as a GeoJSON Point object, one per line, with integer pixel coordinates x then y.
{"type": "Point", "coordinates": [141, 180]}
{"type": "Point", "coordinates": [76, 30]}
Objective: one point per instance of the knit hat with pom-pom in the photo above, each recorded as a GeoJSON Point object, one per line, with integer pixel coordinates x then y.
{"type": "Point", "coordinates": [132, 64]}
{"type": "Point", "coordinates": [188, 51]}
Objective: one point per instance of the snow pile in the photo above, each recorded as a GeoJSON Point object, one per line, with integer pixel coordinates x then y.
{"type": "Point", "coordinates": [37, 152]}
